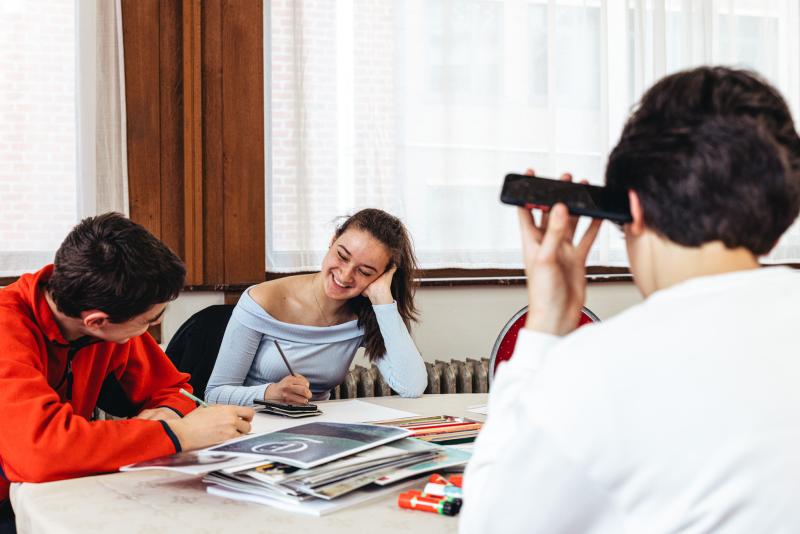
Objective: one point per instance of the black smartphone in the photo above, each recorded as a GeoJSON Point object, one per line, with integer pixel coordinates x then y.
{"type": "Point", "coordinates": [580, 199]}
{"type": "Point", "coordinates": [287, 407]}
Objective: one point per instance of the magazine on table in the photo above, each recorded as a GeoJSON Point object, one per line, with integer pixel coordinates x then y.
{"type": "Point", "coordinates": [194, 462]}
{"type": "Point", "coordinates": [443, 429]}
{"type": "Point", "coordinates": [448, 458]}
{"type": "Point", "coordinates": [342, 487]}
{"type": "Point", "coordinates": [333, 479]}
{"type": "Point", "coordinates": [331, 471]}
{"type": "Point", "coordinates": [312, 506]}
{"type": "Point", "coordinates": [313, 444]}
{"type": "Point", "coordinates": [325, 462]}
{"type": "Point", "coordinates": [334, 486]}
{"type": "Point", "coordinates": [239, 484]}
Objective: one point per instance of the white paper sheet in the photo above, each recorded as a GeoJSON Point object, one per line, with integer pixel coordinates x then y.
{"type": "Point", "coordinates": [479, 408]}
{"type": "Point", "coordinates": [346, 411]}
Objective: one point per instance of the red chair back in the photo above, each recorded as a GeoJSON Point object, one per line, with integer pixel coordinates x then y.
{"type": "Point", "coordinates": [507, 340]}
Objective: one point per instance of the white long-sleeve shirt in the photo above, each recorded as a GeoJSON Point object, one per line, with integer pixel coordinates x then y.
{"type": "Point", "coordinates": [682, 414]}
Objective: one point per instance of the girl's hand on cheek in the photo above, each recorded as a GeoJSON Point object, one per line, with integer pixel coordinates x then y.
{"type": "Point", "coordinates": [379, 291]}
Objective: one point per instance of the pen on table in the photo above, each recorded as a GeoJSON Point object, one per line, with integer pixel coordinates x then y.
{"type": "Point", "coordinates": [201, 402]}
{"type": "Point", "coordinates": [289, 367]}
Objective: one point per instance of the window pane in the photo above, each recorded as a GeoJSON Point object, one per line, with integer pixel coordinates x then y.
{"type": "Point", "coordinates": [37, 130]}
{"type": "Point", "coordinates": [420, 107]}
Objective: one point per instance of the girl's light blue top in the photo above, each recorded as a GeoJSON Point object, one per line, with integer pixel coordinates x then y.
{"type": "Point", "coordinates": [248, 361]}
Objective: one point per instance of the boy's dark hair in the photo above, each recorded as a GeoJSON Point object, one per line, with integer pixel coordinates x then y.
{"type": "Point", "coordinates": [713, 155]}
{"type": "Point", "coordinates": [112, 264]}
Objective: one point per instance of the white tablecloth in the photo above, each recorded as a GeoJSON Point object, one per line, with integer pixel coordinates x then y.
{"type": "Point", "coordinates": [152, 502]}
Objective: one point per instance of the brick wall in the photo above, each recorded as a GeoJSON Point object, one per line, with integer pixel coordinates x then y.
{"type": "Point", "coordinates": [304, 130]}
{"type": "Point", "coordinates": [306, 148]}
{"type": "Point", "coordinates": [375, 107]}
{"type": "Point", "coordinates": [37, 124]}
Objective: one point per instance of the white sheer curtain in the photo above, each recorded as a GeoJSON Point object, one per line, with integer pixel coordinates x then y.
{"type": "Point", "coordinates": [421, 107]}
{"type": "Point", "coordinates": [62, 133]}
{"type": "Point", "coordinates": [103, 165]}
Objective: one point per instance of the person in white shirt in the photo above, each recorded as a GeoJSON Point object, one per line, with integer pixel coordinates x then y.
{"type": "Point", "coordinates": [681, 414]}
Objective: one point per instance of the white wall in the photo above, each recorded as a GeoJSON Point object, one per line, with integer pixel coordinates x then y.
{"type": "Point", "coordinates": [455, 322]}
{"type": "Point", "coordinates": [188, 303]}
{"type": "Point", "coordinates": [459, 322]}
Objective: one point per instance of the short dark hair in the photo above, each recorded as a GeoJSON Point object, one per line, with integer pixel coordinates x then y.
{"type": "Point", "coordinates": [112, 264]}
{"type": "Point", "coordinates": [713, 155]}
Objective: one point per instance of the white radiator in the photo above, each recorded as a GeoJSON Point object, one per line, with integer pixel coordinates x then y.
{"type": "Point", "coordinates": [455, 376]}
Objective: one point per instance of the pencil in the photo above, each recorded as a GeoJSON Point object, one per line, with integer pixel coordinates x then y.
{"type": "Point", "coordinates": [197, 400]}
{"type": "Point", "coordinates": [289, 367]}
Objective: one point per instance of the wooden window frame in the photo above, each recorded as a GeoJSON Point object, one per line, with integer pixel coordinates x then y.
{"type": "Point", "coordinates": [194, 75]}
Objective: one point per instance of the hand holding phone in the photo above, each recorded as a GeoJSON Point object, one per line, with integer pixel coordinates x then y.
{"type": "Point", "coordinates": [580, 199]}
{"type": "Point", "coordinates": [555, 267]}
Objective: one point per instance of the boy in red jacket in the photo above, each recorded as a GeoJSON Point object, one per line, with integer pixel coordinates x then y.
{"type": "Point", "coordinates": [73, 336]}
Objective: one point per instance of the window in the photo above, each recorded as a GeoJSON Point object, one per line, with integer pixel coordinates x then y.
{"type": "Point", "coordinates": [38, 141]}
{"type": "Point", "coordinates": [62, 125]}
{"type": "Point", "coordinates": [420, 107]}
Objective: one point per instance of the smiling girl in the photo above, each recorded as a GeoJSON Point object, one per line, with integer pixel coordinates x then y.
{"type": "Point", "coordinates": [363, 296]}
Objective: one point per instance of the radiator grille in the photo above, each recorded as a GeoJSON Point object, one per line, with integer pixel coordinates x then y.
{"type": "Point", "coordinates": [455, 376]}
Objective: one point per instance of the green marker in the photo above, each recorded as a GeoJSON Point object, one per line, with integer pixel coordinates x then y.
{"type": "Point", "coordinates": [198, 401]}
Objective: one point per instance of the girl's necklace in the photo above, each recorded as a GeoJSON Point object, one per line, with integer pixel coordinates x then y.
{"type": "Point", "coordinates": [319, 307]}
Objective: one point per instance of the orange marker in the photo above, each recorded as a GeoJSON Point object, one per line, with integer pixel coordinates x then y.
{"type": "Point", "coordinates": [422, 497]}
{"type": "Point", "coordinates": [435, 499]}
{"type": "Point", "coordinates": [455, 480]}
{"type": "Point", "coordinates": [412, 501]}
{"type": "Point", "coordinates": [436, 478]}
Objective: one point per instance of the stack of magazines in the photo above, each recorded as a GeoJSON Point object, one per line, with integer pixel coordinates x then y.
{"type": "Point", "coordinates": [314, 468]}
{"type": "Point", "coordinates": [443, 429]}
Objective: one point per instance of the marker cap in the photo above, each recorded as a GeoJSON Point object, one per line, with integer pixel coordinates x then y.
{"type": "Point", "coordinates": [436, 478]}
{"type": "Point", "coordinates": [413, 500]}
{"type": "Point", "coordinates": [443, 490]}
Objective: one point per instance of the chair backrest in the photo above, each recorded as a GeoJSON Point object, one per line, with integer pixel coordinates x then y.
{"type": "Point", "coordinates": [194, 347]}
{"type": "Point", "coordinates": [507, 340]}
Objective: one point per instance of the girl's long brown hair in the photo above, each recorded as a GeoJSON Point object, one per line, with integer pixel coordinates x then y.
{"type": "Point", "coordinates": [390, 231]}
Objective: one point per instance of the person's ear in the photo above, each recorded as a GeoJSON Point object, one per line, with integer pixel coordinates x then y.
{"type": "Point", "coordinates": [94, 319]}
{"type": "Point", "coordinates": [636, 226]}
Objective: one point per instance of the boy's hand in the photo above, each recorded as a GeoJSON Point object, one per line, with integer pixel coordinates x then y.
{"type": "Point", "coordinates": [205, 427]}
{"type": "Point", "coordinates": [555, 268]}
{"type": "Point", "coordinates": [158, 414]}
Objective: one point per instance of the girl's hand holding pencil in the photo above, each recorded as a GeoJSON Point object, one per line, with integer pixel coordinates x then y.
{"type": "Point", "coordinates": [292, 389]}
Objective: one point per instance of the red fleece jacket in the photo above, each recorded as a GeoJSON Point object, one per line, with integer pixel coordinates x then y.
{"type": "Point", "coordinates": [45, 436]}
